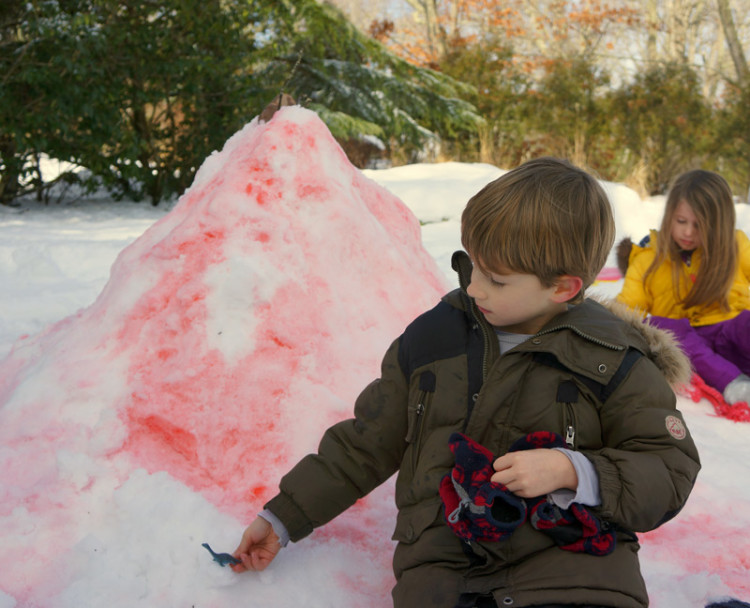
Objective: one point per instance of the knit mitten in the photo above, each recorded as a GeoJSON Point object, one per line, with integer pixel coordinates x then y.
{"type": "Point", "coordinates": [738, 390]}
{"type": "Point", "coordinates": [475, 507]}
{"type": "Point", "coordinates": [573, 529]}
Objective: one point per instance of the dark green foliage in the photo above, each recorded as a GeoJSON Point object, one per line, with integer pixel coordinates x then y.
{"type": "Point", "coordinates": [498, 91]}
{"type": "Point", "coordinates": [664, 122]}
{"type": "Point", "coordinates": [311, 51]}
{"type": "Point", "coordinates": [559, 111]}
{"type": "Point", "coordinates": [15, 97]}
{"type": "Point", "coordinates": [642, 133]}
{"type": "Point", "coordinates": [140, 92]}
{"type": "Point", "coordinates": [565, 113]}
{"type": "Point", "coordinates": [732, 148]}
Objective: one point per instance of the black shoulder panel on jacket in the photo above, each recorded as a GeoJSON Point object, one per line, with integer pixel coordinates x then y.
{"type": "Point", "coordinates": [568, 393]}
{"type": "Point", "coordinates": [437, 334]}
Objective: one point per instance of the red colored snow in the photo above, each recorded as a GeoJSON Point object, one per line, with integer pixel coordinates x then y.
{"type": "Point", "coordinates": [703, 544]}
{"type": "Point", "coordinates": [698, 389]}
{"type": "Point", "coordinates": [166, 436]}
{"type": "Point", "coordinates": [350, 270]}
{"type": "Point", "coordinates": [229, 336]}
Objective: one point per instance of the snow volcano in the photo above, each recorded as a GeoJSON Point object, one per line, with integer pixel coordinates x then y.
{"type": "Point", "coordinates": [228, 337]}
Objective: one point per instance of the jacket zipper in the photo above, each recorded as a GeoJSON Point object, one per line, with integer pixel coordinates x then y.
{"type": "Point", "coordinates": [583, 335]}
{"type": "Point", "coordinates": [427, 383]}
{"type": "Point", "coordinates": [488, 335]}
{"type": "Point", "coordinates": [417, 435]}
{"type": "Point", "coordinates": [570, 435]}
{"type": "Point", "coordinates": [570, 427]}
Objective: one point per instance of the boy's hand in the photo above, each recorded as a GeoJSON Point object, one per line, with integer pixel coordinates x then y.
{"type": "Point", "coordinates": [258, 547]}
{"type": "Point", "coordinates": [532, 473]}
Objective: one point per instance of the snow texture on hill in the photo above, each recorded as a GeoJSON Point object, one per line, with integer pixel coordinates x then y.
{"type": "Point", "coordinates": [229, 336]}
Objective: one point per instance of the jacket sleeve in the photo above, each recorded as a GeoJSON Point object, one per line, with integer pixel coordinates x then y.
{"type": "Point", "coordinates": [633, 293]}
{"type": "Point", "coordinates": [649, 463]}
{"type": "Point", "coordinates": [354, 456]}
{"type": "Point", "coordinates": [744, 253]}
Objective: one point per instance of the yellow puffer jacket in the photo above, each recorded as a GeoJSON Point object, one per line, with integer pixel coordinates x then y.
{"type": "Point", "coordinates": [656, 296]}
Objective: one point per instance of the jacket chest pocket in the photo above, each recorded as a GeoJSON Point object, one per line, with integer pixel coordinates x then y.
{"type": "Point", "coordinates": [417, 413]}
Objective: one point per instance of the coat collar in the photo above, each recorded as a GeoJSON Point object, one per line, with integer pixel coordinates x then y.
{"type": "Point", "coordinates": [569, 336]}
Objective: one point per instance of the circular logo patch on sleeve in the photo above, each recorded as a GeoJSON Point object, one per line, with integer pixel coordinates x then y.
{"type": "Point", "coordinates": [675, 427]}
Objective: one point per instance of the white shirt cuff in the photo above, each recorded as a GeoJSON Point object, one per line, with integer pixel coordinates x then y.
{"type": "Point", "coordinates": [588, 483]}
{"type": "Point", "coordinates": [278, 527]}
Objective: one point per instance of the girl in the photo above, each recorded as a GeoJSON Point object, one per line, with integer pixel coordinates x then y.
{"type": "Point", "coordinates": [693, 278]}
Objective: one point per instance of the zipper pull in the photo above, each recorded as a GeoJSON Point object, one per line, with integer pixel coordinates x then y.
{"type": "Point", "coordinates": [570, 435]}
{"type": "Point", "coordinates": [414, 426]}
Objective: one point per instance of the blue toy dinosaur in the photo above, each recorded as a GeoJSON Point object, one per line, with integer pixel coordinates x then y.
{"type": "Point", "coordinates": [222, 558]}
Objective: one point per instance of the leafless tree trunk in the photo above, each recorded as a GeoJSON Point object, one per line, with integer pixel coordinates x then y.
{"type": "Point", "coordinates": [428, 13]}
{"type": "Point", "coordinates": [679, 31]}
{"type": "Point", "coordinates": [733, 42]}
{"type": "Point", "coordinates": [652, 24]}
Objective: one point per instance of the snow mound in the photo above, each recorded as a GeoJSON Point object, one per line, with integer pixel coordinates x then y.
{"type": "Point", "coordinates": [228, 337]}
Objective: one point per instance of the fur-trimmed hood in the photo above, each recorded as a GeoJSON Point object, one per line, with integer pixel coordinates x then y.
{"type": "Point", "coordinates": [663, 348]}
{"type": "Point", "coordinates": [660, 346]}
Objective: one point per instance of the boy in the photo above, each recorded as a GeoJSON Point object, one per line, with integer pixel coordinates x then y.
{"type": "Point", "coordinates": [513, 356]}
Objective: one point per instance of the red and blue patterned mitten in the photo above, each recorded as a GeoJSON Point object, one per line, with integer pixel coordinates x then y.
{"type": "Point", "coordinates": [573, 529]}
{"type": "Point", "coordinates": [475, 507]}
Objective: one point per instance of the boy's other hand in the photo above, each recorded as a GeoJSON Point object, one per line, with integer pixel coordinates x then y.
{"type": "Point", "coordinates": [532, 473]}
{"type": "Point", "coordinates": [258, 547]}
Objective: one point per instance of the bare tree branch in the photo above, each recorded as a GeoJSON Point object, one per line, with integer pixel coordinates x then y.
{"type": "Point", "coordinates": [733, 42]}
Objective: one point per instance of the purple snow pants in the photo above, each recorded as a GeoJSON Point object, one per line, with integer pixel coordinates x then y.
{"type": "Point", "coordinates": [719, 353]}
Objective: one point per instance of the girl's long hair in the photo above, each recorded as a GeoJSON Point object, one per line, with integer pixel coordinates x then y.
{"type": "Point", "coordinates": [710, 198]}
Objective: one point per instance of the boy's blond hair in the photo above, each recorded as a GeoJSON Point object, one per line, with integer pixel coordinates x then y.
{"type": "Point", "coordinates": [547, 218]}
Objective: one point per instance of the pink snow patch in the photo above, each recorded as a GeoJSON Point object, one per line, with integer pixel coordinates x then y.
{"type": "Point", "coordinates": [238, 373]}
{"type": "Point", "coordinates": [703, 544]}
{"type": "Point", "coordinates": [609, 274]}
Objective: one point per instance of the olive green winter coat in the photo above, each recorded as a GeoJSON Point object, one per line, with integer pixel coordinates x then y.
{"type": "Point", "coordinates": [445, 374]}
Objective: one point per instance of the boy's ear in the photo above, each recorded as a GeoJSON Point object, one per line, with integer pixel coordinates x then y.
{"type": "Point", "coordinates": [567, 288]}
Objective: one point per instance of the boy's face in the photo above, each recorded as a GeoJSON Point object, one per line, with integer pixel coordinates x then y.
{"type": "Point", "coordinates": [685, 230]}
{"type": "Point", "coordinates": [513, 302]}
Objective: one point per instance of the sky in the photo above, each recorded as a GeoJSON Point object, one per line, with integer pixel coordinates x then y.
{"type": "Point", "coordinates": [161, 368]}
